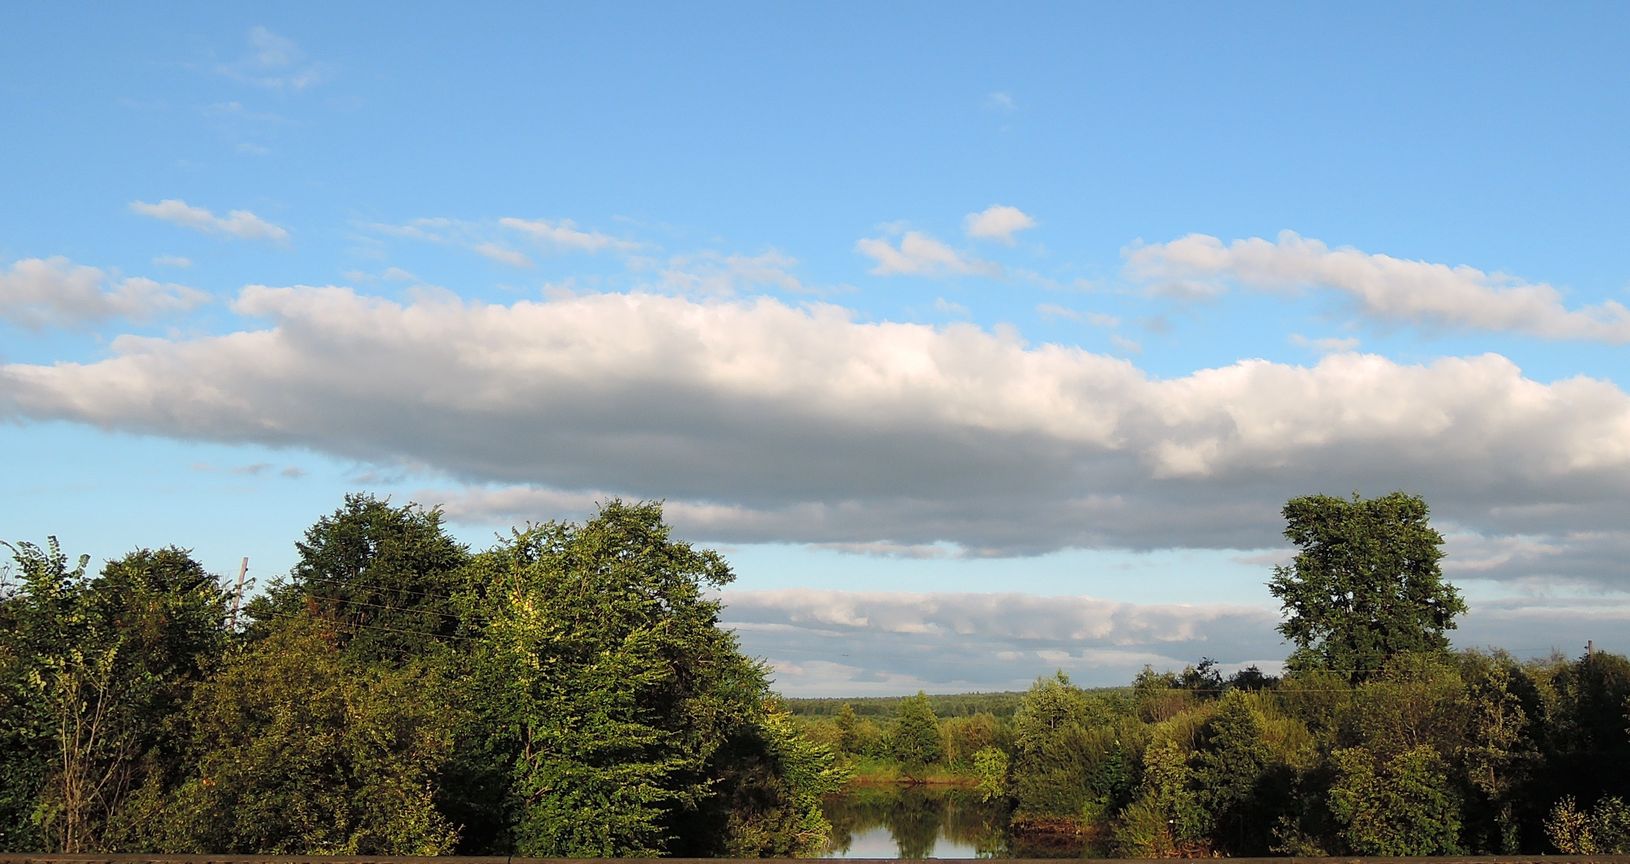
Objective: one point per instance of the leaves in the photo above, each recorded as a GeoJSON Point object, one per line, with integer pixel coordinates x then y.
{"type": "Point", "coordinates": [1366, 584]}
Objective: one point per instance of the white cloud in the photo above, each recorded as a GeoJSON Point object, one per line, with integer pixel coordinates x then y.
{"type": "Point", "coordinates": [238, 223]}
{"type": "Point", "coordinates": [760, 421]}
{"type": "Point", "coordinates": [997, 222]}
{"type": "Point", "coordinates": [275, 63]}
{"type": "Point", "coordinates": [54, 292]}
{"type": "Point", "coordinates": [852, 643]}
{"type": "Point", "coordinates": [502, 254]}
{"type": "Point", "coordinates": [1327, 344]}
{"type": "Point", "coordinates": [844, 643]}
{"type": "Point", "coordinates": [1001, 100]}
{"type": "Point", "coordinates": [1382, 286]}
{"type": "Point", "coordinates": [712, 274]}
{"type": "Point", "coordinates": [564, 234]}
{"type": "Point", "coordinates": [950, 307]}
{"type": "Point", "coordinates": [177, 261]}
{"type": "Point", "coordinates": [1125, 345]}
{"type": "Point", "coordinates": [921, 255]}
{"type": "Point", "coordinates": [1053, 310]}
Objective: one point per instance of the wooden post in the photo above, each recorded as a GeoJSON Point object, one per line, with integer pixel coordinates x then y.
{"type": "Point", "coordinates": [237, 596]}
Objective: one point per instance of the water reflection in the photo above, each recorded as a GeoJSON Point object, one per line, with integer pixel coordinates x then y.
{"type": "Point", "coordinates": [914, 822]}
{"type": "Point", "coordinates": [936, 822]}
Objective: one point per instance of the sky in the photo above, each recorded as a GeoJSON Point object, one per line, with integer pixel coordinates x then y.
{"type": "Point", "coordinates": [984, 341]}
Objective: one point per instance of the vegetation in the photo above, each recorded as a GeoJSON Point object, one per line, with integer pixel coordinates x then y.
{"type": "Point", "coordinates": [1379, 741]}
{"type": "Point", "coordinates": [569, 692]}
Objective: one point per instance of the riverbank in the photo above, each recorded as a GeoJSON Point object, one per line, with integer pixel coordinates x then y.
{"type": "Point", "coordinates": [871, 771]}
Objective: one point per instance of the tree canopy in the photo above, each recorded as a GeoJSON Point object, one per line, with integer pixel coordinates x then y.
{"type": "Point", "coordinates": [1365, 585]}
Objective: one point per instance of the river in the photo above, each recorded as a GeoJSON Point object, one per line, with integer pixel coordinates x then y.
{"type": "Point", "coordinates": [931, 822]}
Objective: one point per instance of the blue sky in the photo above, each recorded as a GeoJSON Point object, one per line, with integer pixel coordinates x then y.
{"type": "Point", "coordinates": [984, 341]}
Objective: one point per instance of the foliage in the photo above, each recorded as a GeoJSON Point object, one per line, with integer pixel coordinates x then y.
{"type": "Point", "coordinates": [915, 736]}
{"type": "Point", "coordinates": [300, 750]}
{"type": "Point", "coordinates": [1237, 780]}
{"type": "Point", "coordinates": [1398, 806]}
{"type": "Point", "coordinates": [1603, 830]}
{"type": "Point", "coordinates": [962, 737]}
{"type": "Point", "coordinates": [95, 672]}
{"type": "Point", "coordinates": [570, 692]}
{"type": "Point", "coordinates": [385, 575]}
{"type": "Point", "coordinates": [1167, 817]}
{"type": "Point", "coordinates": [626, 711]}
{"type": "Point", "coordinates": [990, 767]}
{"type": "Point", "coordinates": [1366, 584]}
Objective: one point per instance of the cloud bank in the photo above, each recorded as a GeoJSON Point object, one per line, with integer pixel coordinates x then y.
{"type": "Point", "coordinates": [852, 643]}
{"type": "Point", "coordinates": [762, 421]}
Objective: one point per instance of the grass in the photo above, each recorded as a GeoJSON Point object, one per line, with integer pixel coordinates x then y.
{"type": "Point", "coordinates": [874, 771]}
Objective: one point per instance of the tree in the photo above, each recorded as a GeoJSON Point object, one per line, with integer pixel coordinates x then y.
{"type": "Point", "coordinates": [95, 674]}
{"type": "Point", "coordinates": [990, 767]}
{"type": "Point", "coordinates": [1235, 778]}
{"type": "Point", "coordinates": [848, 734]}
{"type": "Point", "coordinates": [628, 718]}
{"type": "Point", "coordinates": [1394, 807]}
{"type": "Point", "coordinates": [301, 750]}
{"type": "Point", "coordinates": [386, 575]}
{"type": "Point", "coordinates": [1366, 584]}
{"type": "Point", "coordinates": [1602, 830]}
{"type": "Point", "coordinates": [916, 735]}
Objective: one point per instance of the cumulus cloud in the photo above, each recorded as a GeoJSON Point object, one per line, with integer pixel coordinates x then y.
{"type": "Point", "coordinates": [564, 234]}
{"type": "Point", "coordinates": [54, 292]}
{"type": "Point", "coordinates": [1382, 286]}
{"type": "Point", "coordinates": [997, 222]}
{"type": "Point", "coordinates": [238, 223]}
{"type": "Point", "coordinates": [844, 643]}
{"type": "Point", "coordinates": [762, 421]}
{"type": "Point", "coordinates": [921, 255]}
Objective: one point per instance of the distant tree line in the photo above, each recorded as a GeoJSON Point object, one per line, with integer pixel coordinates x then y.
{"type": "Point", "coordinates": [568, 692]}
{"type": "Point", "coordinates": [1378, 739]}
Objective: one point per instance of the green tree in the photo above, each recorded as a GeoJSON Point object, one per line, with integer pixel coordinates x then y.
{"type": "Point", "coordinates": [1399, 806]}
{"type": "Point", "coordinates": [301, 750]}
{"type": "Point", "coordinates": [1602, 830]}
{"type": "Point", "coordinates": [630, 720]}
{"type": "Point", "coordinates": [1166, 818]}
{"type": "Point", "coordinates": [386, 575]}
{"type": "Point", "coordinates": [848, 733]}
{"type": "Point", "coordinates": [96, 672]}
{"type": "Point", "coordinates": [990, 767]}
{"type": "Point", "coordinates": [1365, 585]}
{"type": "Point", "coordinates": [1500, 753]}
{"type": "Point", "coordinates": [915, 737]}
{"type": "Point", "coordinates": [1237, 780]}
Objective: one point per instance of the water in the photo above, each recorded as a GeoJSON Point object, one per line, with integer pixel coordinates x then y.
{"type": "Point", "coordinates": [931, 822]}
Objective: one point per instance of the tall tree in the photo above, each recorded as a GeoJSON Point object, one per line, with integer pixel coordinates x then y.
{"type": "Point", "coordinates": [95, 672]}
{"type": "Point", "coordinates": [1365, 585]}
{"type": "Point", "coordinates": [301, 750]}
{"type": "Point", "coordinates": [626, 713]}
{"type": "Point", "coordinates": [386, 575]}
{"type": "Point", "coordinates": [916, 735]}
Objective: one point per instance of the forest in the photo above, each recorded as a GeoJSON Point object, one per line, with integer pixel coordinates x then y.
{"type": "Point", "coordinates": [571, 692]}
